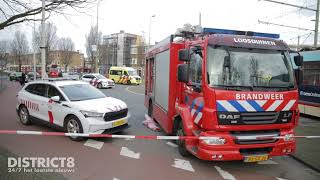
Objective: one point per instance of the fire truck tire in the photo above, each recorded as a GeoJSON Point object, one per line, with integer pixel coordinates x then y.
{"type": "Point", "coordinates": [181, 143]}
{"type": "Point", "coordinates": [73, 125]}
{"type": "Point", "coordinates": [150, 109]}
{"type": "Point", "coordinates": [99, 86]}
{"type": "Point", "coordinates": [24, 115]}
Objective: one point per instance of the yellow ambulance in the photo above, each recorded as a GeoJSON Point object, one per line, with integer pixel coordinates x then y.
{"type": "Point", "coordinates": [124, 75]}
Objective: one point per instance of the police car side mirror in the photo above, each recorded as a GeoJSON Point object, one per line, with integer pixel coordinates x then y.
{"type": "Point", "coordinates": [298, 60]}
{"type": "Point", "coordinates": [55, 98]}
{"type": "Point", "coordinates": [184, 55]}
{"type": "Point", "coordinates": [183, 73]}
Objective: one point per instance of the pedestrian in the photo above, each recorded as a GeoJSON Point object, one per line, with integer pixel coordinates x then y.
{"type": "Point", "coordinates": [23, 79]}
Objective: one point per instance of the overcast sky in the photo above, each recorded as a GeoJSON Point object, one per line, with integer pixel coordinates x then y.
{"type": "Point", "coordinates": [133, 16]}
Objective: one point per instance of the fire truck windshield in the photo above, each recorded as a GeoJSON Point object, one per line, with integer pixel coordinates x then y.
{"type": "Point", "coordinates": [249, 68]}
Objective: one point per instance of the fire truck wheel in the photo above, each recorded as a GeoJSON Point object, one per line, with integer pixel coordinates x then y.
{"type": "Point", "coordinates": [181, 143]}
{"type": "Point", "coordinates": [99, 86]}
{"type": "Point", "coordinates": [24, 115]}
{"type": "Point", "coordinates": [73, 125]}
{"type": "Point", "coordinates": [150, 109]}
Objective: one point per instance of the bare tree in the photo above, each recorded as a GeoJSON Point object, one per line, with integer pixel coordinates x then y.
{"type": "Point", "coordinates": [18, 11]}
{"type": "Point", "coordinates": [4, 53]}
{"type": "Point", "coordinates": [66, 46]}
{"type": "Point", "coordinates": [19, 47]}
{"type": "Point", "coordinates": [51, 40]}
{"type": "Point", "coordinates": [93, 38]}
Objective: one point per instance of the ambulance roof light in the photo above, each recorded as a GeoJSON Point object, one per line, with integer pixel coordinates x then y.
{"type": "Point", "coordinates": [236, 32]}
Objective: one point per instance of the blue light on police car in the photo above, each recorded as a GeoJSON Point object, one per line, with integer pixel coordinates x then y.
{"type": "Point", "coordinates": [236, 32]}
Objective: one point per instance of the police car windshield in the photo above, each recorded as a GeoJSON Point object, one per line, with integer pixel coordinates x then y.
{"type": "Point", "coordinates": [81, 92]}
{"type": "Point", "coordinates": [239, 67]}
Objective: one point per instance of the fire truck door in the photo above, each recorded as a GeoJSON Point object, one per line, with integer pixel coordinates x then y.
{"type": "Point", "coordinates": [193, 95]}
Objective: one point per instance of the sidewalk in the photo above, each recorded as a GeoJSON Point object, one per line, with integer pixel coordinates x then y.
{"type": "Point", "coordinates": [308, 150]}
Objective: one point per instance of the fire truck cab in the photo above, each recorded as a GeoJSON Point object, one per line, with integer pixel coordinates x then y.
{"type": "Point", "coordinates": [237, 87]}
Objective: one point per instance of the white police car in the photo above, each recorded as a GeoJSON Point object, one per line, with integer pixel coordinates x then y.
{"type": "Point", "coordinates": [98, 80]}
{"type": "Point", "coordinates": [75, 106]}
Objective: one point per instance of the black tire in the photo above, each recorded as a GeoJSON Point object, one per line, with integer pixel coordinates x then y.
{"type": "Point", "coordinates": [129, 82]}
{"type": "Point", "coordinates": [99, 86]}
{"type": "Point", "coordinates": [181, 143]}
{"type": "Point", "coordinates": [24, 116]}
{"type": "Point", "coordinates": [77, 129]}
{"type": "Point", "coordinates": [150, 109]}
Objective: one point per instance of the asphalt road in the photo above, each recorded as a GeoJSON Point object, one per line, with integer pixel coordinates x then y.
{"type": "Point", "coordinates": [149, 159]}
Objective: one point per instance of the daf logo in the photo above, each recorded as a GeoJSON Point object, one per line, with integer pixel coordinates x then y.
{"type": "Point", "coordinates": [229, 116]}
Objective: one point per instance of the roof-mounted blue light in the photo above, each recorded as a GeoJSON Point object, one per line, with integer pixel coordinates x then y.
{"type": "Point", "coordinates": [236, 32]}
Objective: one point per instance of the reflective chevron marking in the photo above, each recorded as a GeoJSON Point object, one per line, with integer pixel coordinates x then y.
{"type": "Point", "coordinates": [254, 105]}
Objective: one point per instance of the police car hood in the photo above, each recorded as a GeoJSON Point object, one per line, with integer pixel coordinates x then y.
{"type": "Point", "coordinates": [101, 105]}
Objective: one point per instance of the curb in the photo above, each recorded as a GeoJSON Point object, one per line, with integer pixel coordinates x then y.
{"type": "Point", "coordinates": [305, 163]}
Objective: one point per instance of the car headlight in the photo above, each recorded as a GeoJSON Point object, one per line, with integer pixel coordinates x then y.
{"type": "Point", "coordinates": [91, 114]}
{"type": "Point", "coordinates": [214, 140]}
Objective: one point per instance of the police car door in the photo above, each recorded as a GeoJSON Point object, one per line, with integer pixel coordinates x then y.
{"type": "Point", "coordinates": [38, 96]}
{"type": "Point", "coordinates": [56, 110]}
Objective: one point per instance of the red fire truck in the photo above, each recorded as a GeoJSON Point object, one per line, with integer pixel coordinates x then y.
{"type": "Point", "coordinates": [236, 87]}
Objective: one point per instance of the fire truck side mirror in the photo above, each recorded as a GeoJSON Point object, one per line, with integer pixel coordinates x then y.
{"type": "Point", "coordinates": [183, 73]}
{"type": "Point", "coordinates": [298, 60]}
{"type": "Point", "coordinates": [184, 55]}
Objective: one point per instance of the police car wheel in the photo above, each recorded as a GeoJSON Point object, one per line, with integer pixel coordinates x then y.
{"type": "Point", "coordinates": [99, 86]}
{"type": "Point", "coordinates": [73, 125]}
{"type": "Point", "coordinates": [24, 115]}
{"type": "Point", "coordinates": [181, 143]}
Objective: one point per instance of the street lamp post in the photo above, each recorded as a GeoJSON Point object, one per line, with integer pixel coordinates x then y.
{"type": "Point", "coordinates": [43, 43]}
{"type": "Point", "coordinates": [150, 30]}
{"type": "Point", "coordinates": [97, 52]}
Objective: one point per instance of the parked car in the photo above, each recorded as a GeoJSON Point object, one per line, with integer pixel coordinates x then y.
{"type": "Point", "coordinates": [98, 80]}
{"type": "Point", "coordinates": [31, 74]}
{"type": "Point", "coordinates": [15, 76]}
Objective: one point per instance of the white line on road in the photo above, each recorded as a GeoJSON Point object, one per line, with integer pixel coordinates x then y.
{"type": "Point", "coordinates": [128, 153]}
{"type": "Point", "coordinates": [115, 178]}
{"type": "Point", "coordinates": [172, 144]}
{"type": "Point", "coordinates": [267, 162]}
{"type": "Point", "coordinates": [94, 144]}
{"type": "Point", "coordinates": [134, 92]}
{"type": "Point", "coordinates": [183, 164]}
{"type": "Point", "coordinates": [280, 178]}
{"type": "Point", "coordinates": [225, 175]}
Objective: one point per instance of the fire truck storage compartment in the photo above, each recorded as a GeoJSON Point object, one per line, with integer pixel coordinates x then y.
{"type": "Point", "coordinates": [161, 84]}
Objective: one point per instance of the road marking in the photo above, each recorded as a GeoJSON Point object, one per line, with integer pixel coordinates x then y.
{"type": "Point", "coordinates": [115, 178]}
{"type": "Point", "coordinates": [128, 153]}
{"type": "Point", "coordinates": [134, 92]}
{"type": "Point", "coordinates": [225, 175]}
{"type": "Point", "coordinates": [94, 144]}
{"type": "Point", "coordinates": [280, 178]}
{"type": "Point", "coordinates": [183, 164]}
{"type": "Point", "coordinates": [267, 162]}
{"type": "Point", "coordinates": [172, 144]}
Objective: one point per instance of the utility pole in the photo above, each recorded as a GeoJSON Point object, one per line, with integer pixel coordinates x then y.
{"type": "Point", "coordinates": [34, 51]}
{"type": "Point", "coordinates": [316, 28]}
{"type": "Point", "coordinates": [298, 45]}
{"type": "Point", "coordinates": [200, 19]}
{"type": "Point", "coordinates": [43, 44]}
{"type": "Point", "coordinates": [97, 50]}
{"type": "Point", "coordinates": [316, 31]}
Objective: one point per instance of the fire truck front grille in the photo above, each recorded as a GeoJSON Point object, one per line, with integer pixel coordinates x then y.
{"type": "Point", "coordinates": [110, 116]}
{"type": "Point", "coordinates": [259, 117]}
{"type": "Point", "coordinates": [252, 137]}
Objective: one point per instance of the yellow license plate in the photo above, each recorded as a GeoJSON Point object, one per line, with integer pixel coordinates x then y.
{"type": "Point", "coordinates": [118, 123]}
{"type": "Point", "coordinates": [256, 158]}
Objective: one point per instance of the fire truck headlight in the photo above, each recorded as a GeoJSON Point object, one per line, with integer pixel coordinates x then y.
{"type": "Point", "coordinates": [288, 137]}
{"type": "Point", "coordinates": [214, 140]}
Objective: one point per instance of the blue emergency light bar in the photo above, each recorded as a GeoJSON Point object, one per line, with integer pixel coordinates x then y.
{"type": "Point", "coordinates": [235, 32]}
